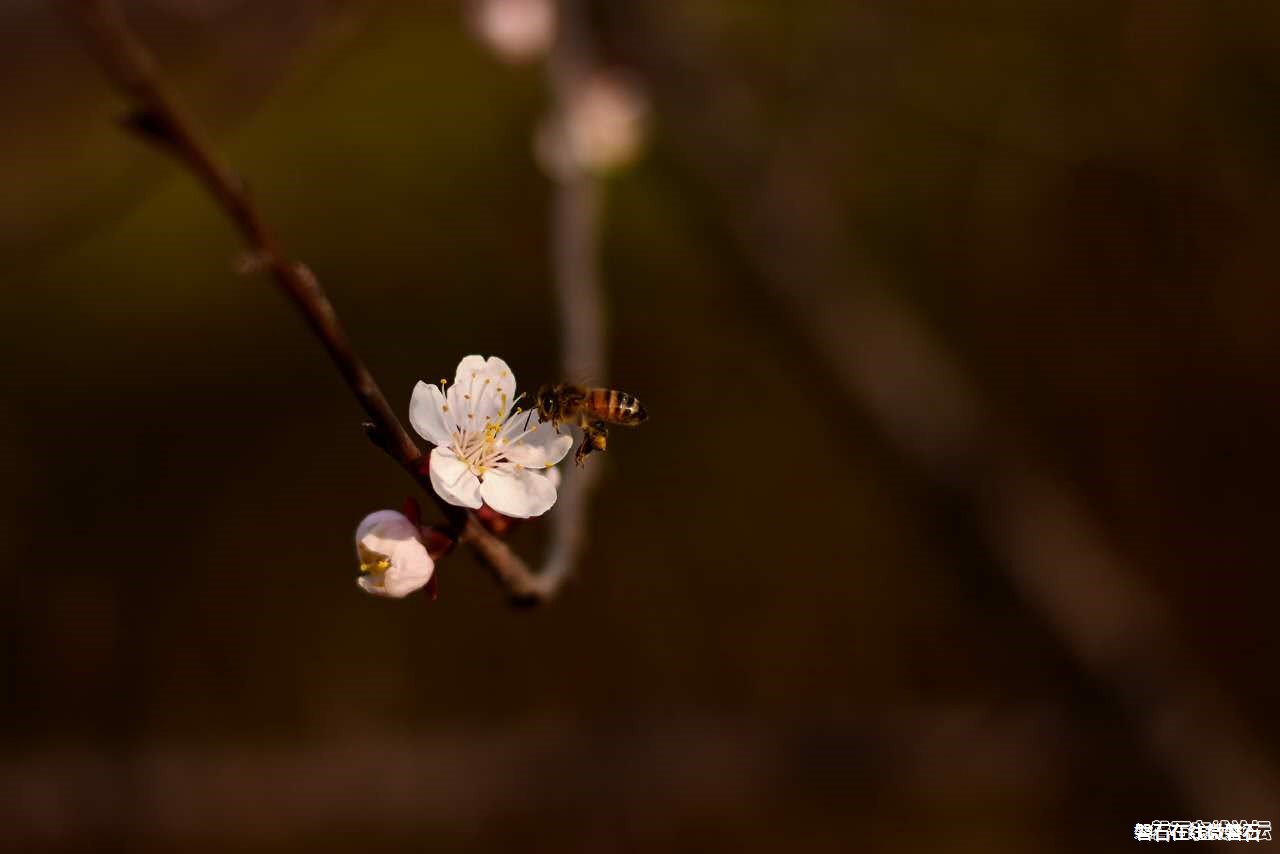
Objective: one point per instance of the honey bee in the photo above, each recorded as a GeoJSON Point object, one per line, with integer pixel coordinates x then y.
{"type": "Point", "coordinates": [591, 409]}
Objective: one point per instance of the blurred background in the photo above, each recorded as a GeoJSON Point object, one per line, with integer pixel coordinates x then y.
{"type": "Point", "coordinates": [953, 526]}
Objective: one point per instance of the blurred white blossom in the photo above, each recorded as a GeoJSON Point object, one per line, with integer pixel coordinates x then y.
{"type": "Point", "coordinates": [601, 128]}
{"type": "Point", "coordinates": [393, 560]}
{"type": "Point", "coordinates": [488, 451]}
{"type": "Point", "coordinates": [516, 30]}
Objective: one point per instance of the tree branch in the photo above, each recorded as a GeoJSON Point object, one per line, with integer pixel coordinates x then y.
{"type": "Point", "coordinates": [161, 118]}
{"type": "Point", "coordinates": [575, 231]}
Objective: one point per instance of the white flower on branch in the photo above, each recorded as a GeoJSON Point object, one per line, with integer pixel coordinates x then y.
{"type": "Point", "coordinates": [488, 450]}
{"type": "Point", "coordinates": [393, 560]}
{"type": "Point", "coordinates": [600, 129]}
{"type": "Point", "coordinates": [516, 30]}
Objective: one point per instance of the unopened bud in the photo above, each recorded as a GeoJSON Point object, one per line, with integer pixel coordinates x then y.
{"type": "Point", "coordinates": [393, 560]}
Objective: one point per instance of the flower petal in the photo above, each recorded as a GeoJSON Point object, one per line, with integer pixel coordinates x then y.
{"type": "Point", "coordinates": [496, 390]}
{"type": "Point", "coordinates": [467, 368]}
{"type": "Point", "coordinates": [479, 392]}
{"type": "Point", "coordinates": [501, 373]}
{"type": "Point", "coordinates": [541, 447]}
{"type": "Point", "coordinates": [486, 401]}
{"type": "Point", "coordinates": [411, 568]}
{"type": "Point", "coordinates": [371, 584]}
{"type": "Point", "coordinates": [518, 493]}
{"type": "Point", "coordinates": [427, 414]}
{"type": "Point", "coordinates": [503, 387]}
{"type": "Point", "coordinates": [382, 531]}
{"type": "Point", "coordinates": [483, 391]}
{"type": "Point", "coordinates": [455, 410]}
{"type": "Point", "coordinates": [453, 480]}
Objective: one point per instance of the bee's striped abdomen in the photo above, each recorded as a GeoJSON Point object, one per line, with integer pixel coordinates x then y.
{"type": "Point", "coordinates": [615, 407]}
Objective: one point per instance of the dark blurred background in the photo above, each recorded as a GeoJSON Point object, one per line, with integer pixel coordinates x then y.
{"type": "Point", "coordinates": [953, 526]}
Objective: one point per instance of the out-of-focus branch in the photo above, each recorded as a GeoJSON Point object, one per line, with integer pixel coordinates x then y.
{"type": "Point", "coordinates": [782, 219]}
{"type": "Point", "coordinates": [575, 213]}
{"type": "Point", "coordinates": [163, 120]}
{"type": "Point", "coordinates": [575, 227]}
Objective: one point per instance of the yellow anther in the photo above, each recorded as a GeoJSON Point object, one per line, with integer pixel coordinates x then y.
{"type": "Point", "coordinates": [445, 407]}
{"type": "Point", "coordinates": [379, 565]}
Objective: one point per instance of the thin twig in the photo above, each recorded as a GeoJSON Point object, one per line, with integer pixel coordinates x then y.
{"type": "Point", "coordinates": [575, 230]}
{"type": "Point", "coordinates": [164, 121]}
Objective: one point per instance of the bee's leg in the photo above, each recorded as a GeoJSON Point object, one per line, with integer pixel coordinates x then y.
{"type": "Point", "coordinates": [585, 447]}
{"type": "Point", "coordinates": [599, 436]}
{"type": "Point", "coordinates": [594, 438]}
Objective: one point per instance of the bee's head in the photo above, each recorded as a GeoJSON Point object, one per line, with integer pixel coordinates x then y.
{"type": "Point", "coordinates": [548, 403]}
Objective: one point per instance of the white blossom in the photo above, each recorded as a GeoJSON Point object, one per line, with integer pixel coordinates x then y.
{"type": "Point", "coordinates": [516, 30]}
{"type": "Point", "coordinates": [393, 560]}
{"type": "Point", "coordinates": [488, 450]}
